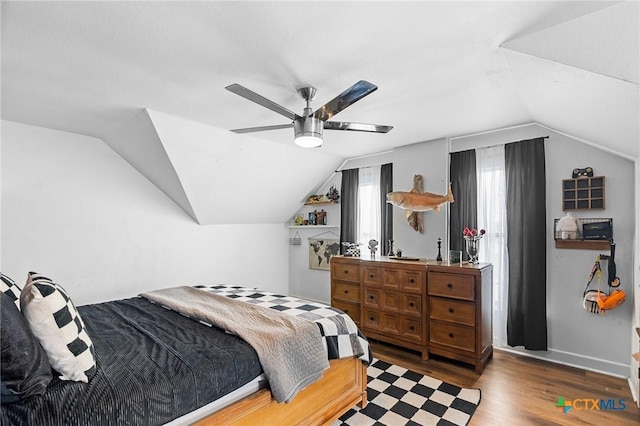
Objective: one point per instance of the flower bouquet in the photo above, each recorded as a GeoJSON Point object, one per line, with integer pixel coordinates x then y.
{"type": "Point", "coordinates": [472, 239]}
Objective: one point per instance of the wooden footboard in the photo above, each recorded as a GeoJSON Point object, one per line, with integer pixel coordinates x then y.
{"type": "Point", "coordinates": [342, 386]}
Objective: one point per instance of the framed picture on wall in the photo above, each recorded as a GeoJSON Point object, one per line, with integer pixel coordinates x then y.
{"type": "Point", "coordinates": [321, 251]}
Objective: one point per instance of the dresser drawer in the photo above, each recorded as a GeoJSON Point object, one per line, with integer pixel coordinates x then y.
{"type": "Point", "coordinates": [371, 319]}
{"type": "Point", "coordinates": [371, 276]}
{"type": "Point", "coordinates": [411, 328]}
{"type": "Point", "coordinates": [372, 298]}
{"type": "Point", "coordinates": [457, 311]}
{"type": "Point", "coordinates": [453, 335]}
{"type": "Point", "coordinates": [345, 271]}
{"type": "Point", "coordinates": [346, 291]}
{"type": "Point", "coordinates": [451, 285]}
{"type": "Point", "coordinates": [412, 304]}
{"type": "Point", "coordinates": [413, 281]}
{"type": "Point", "coordinates": [403, 280]}
{"type": "Point", "coordinates": [351, 309]}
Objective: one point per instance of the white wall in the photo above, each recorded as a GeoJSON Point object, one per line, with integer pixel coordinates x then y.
{"type": "Point", "coordinates": [74, 210]}
{"type": "Point", "coordinates": [429, 159]}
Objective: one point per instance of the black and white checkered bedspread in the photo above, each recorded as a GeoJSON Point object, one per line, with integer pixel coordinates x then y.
{"type": "Point", "coordinates": [341, 336]}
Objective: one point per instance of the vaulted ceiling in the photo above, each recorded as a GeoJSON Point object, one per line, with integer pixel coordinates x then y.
{"type": "Point", "coordinates": [148, 78]}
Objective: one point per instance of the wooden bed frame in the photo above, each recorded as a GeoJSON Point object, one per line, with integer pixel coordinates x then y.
{"type": "Point", "coordinates": [342, 386]}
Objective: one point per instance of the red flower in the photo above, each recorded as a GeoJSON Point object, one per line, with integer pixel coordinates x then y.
{"type": "Point", "coordinates": [473, 232]}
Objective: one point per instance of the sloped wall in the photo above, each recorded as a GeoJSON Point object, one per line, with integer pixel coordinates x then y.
{"type": "Point", "coordinates": [74, 210]}
{"type": "Point", "coordinates": [216, 176]}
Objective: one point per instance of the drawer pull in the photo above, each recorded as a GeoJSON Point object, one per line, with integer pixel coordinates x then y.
{"type": "Point", "coordinates": [450, 310]}
{"type": "Point", "coordinates": [411, 280]}
{"type": "Point", "coordinates": [449, 285]}
{"type": "Point", "coordinates": [412, 328]}
{"type": "Point", "coordinates": [451, 335]}
{"type": "Point", "coordinates": [346, 271]}
{"type": "Point", "coordinates": [411, 304]}
{"type": "Point", "coordinates": [371, 275]}
{"type": "Point", "coordinates": [371, 297]}
{"type": "Point", "coordinates": [346, 292]}
{"type": "Point", "coordinates": [371, 318]}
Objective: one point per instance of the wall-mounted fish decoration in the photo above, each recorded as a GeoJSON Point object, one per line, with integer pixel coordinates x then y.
{"type": "Point", "coordinates": [419, 202]}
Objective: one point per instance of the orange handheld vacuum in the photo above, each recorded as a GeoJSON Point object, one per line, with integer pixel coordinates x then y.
{"type": "Point", "coordinates": [597, 301]}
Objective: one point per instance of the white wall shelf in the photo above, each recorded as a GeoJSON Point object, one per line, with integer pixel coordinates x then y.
{"type": "Point", "coordinates": [311, 226]}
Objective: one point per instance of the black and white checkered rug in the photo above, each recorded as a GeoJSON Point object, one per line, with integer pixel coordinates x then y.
{"type": "Point", "coordinates": [398, 396]}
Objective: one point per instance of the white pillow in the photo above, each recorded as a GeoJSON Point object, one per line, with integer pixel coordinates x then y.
{"type": "Point", "coordinates": [55, 321]}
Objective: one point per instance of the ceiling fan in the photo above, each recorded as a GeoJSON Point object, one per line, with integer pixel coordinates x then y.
{"type": "Point", "coordinates": [309, 126]}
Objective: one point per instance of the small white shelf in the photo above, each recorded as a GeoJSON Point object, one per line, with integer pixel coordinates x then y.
{"type": "Point", "coordinates": [311, 226]}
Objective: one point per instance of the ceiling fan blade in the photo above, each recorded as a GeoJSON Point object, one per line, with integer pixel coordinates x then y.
{"type": "Point", "coordinates": [260, 100]}
{"type": "Point", "coordinates": [344, 99]}
{"type": "Point", "coordinates": [262, 128]}
{"type": "Point", "coordinates": [358, 127]}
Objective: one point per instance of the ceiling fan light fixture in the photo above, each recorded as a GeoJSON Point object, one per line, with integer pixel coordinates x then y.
{"type": "Point", "coordinates": [308, 141]}
{"type": "Point", "coordinates": [308, 131]}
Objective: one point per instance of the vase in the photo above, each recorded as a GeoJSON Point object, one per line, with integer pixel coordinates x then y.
{"type": "Point", "coordinates": [472, 245]}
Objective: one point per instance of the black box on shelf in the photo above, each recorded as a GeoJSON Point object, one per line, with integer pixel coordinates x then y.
{"type": "Point", "coordinates": [598, 230]}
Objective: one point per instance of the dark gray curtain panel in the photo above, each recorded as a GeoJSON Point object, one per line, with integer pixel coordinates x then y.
{"type": "Point", "coordinates": [386, 217]}
{"type": "Point", "coordinates": [464, 210]}
{"type": "Point", "coordinates": [526, 244]}
{"type": "Point", "coordinates": [349, 207]}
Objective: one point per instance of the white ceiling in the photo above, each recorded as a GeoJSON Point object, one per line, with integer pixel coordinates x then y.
{"type": "Point", "coordinates": [442, 68]}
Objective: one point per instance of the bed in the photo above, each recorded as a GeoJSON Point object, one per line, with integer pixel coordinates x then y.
{"type": "Point", "coordinates": [156, 365]}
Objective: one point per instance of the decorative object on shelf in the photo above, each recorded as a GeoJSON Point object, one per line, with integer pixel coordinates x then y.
{"type": "Point", "coordinates": [333, 195]}
{"type": "Point", "coordinates": [416, 202]}
{"type": "Point", "coordinates": [315, 199]}
{"type": "Point", "coordinates": [390, 253]}
{"type": "Point", "coordinates": [399, 253]}
{"type": "Point", "coordinates": [600, 230]}
{"type": "Point", "coordinates": [321, 250]}
{"type": "Point", "coordinates": [583, 193]}
{"type": "Point", "coordinates": [568, 227]}
{"type": "Point", "coordinates": [472, 243]}
{"type": "Point", "coordinates": [295, 240]}
{"type": "Point", "coordinates": [351, 249]}
{"type": "Point", "coordinates": [312, 218]}
{"type": "Point", "coordinates": [298, 220]}
{"type": "Point", "coordinates": [455, 256]}
{"type": "Point", "coordinates": [587, 171]}
{"type": "Point", "coordinates": [373, 246]}
{"type": "Point", "coordinates": [439, 257]}
{"type": "Point", "coordinates": [321, 217]}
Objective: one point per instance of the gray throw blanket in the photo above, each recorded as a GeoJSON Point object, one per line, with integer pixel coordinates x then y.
{"type": "Point", "coordinates": [290, 348]}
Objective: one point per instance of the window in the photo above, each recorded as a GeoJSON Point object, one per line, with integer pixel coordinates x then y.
{"type": "Point", "coordinates": [492, 216]}
{"type": "Point", "coordinates": [369, 205]}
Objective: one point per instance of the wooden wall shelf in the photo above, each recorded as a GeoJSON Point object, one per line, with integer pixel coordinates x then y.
{"type": "Point", "coordinates": [584, 193]}
{"type": "Point", "coordinates": [584, 244]}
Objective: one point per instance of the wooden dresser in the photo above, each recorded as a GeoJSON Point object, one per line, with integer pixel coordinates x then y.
{"type": "Point", "coordinates": [425, 306]}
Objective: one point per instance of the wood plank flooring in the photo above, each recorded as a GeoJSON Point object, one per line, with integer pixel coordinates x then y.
{"type": "Point", "coordinates": [518, 390]}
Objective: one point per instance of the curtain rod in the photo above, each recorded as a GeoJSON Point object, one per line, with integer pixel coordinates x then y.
{"type": "Point", "coordinates": [363, 167]}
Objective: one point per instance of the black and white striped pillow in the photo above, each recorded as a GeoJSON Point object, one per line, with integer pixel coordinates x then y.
{"type": "Point", "coordinates": [55, 321]}
{"type": "Point", "coordinates": [9, 287]}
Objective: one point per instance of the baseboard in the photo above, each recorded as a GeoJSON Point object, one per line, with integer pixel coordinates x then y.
{"type": "Point", "coordinates": [634, 394]}
{"type": "Point", "coordinates": [596, 365]}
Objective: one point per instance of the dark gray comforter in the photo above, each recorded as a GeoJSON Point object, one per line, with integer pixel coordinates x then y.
{"type": "Point", "coordinates": [154, 365]}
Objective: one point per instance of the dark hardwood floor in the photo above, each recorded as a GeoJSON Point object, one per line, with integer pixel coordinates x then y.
{"type": "Point", "coordinates": [518, 390]}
